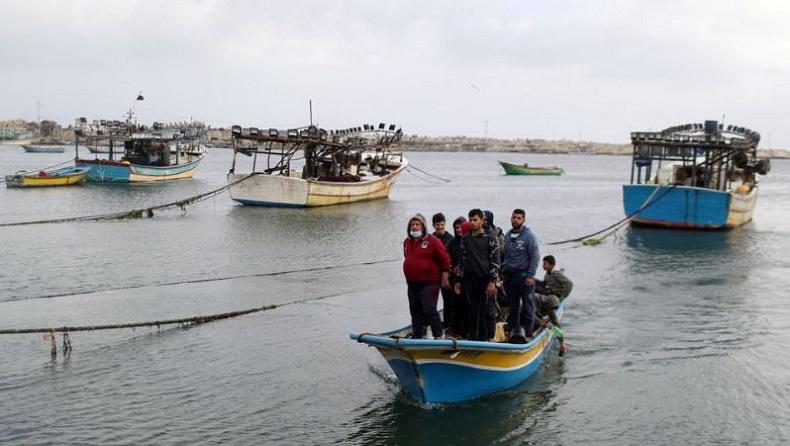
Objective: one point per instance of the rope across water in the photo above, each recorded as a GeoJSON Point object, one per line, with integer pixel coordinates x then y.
{"type": "Point", "coordinates": [135, 213]}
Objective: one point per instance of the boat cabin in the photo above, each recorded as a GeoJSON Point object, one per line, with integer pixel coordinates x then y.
{"type": "Point", "coordinates": [312, 153]}
{"type": "Point", "coordinates": [708, 155]}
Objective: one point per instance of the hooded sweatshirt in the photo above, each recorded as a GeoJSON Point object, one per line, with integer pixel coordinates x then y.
{"type": "Point", "coordinates": [521, 253]}
{"type": "Point", "coordinates": [454, 248]}
{"type": "Point", "coordinates": [425, 257]}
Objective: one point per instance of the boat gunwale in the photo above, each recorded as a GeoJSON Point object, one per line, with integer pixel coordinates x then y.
{"type": "Point", "coordinates": [403, 166]}
{"type": "Point", "coordinates": [105, 162]}
{"type": "Point", "coordinates": [385, 340]}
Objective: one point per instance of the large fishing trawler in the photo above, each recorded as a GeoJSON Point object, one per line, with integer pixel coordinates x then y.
{"type": "Point", "coordinates": [333, 167]}
{"type": "Point", "coordinates": [696, 176]}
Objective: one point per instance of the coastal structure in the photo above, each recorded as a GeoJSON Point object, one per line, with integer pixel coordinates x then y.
{"type": "Point", "coordinates": [334, 167]}
{"type": "Point", "coordinates": [696, 176]}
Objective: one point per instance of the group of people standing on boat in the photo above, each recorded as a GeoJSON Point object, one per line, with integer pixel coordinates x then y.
{"type": "Point", "coordinates": [476, 269]}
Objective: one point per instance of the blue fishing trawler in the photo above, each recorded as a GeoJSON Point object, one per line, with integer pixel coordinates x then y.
{"type": "Point", "coordinates": [452, 371]}
{"type": "Point", "coordinates": [140, 154]}
{"type": "Point", "coordinates": [694, 176]}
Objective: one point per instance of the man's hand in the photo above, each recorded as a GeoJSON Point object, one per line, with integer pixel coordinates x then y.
{"type": "Point", "coordinates": [445, 280]}
{"type": "Point", "coordinates": [491, 289]}
{"type": "Point", "coordinates": [530, 281]}
{"type": "Point", "coordinates": [457, 288]}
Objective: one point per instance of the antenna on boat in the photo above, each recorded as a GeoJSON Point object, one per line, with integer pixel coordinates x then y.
{"type": "Point", "coordinates": [311, 112]}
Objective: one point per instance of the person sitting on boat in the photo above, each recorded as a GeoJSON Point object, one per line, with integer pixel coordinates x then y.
{"type": "Point", "coordinates": [519, 266]}
{"type": "Point", "coordinates": [479, 271]}
{"type": "Point", "coordinates": [426, 266]}
{"type": "Point", "coordinates": [440, 232]}
{"type": "Point", "coordinates": [459, 314]}
{"type": "Point", "coordinates": [554, 287]}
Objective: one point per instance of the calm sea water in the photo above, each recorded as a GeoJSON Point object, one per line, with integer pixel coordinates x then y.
{"type": "Point", "coordinates": [675, 337]}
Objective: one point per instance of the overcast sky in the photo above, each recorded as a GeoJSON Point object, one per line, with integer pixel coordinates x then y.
{"type": "Point", "coordinates": [594, 70]}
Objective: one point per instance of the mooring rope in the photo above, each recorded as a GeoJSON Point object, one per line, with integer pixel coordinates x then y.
{"type": "Point", "coordinates": [136, 213]}
{"type": "Point", "coordinates": [220, 279]}
{"type": "Point", "coordinates": [411, 166]}
{"type": "Point", "coordinates": [2, 180]}
{"type": "Point", "coordinates": [590, 239]}
{"type": "Point", "coordinates": [427, 180]}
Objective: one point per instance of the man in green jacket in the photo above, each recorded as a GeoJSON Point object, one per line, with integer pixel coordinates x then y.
{"type": "Point", "coordinates": [550, 291]}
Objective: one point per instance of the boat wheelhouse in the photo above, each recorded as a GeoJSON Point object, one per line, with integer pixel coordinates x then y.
{"type": "Point", "coordinates": [696, 176]}
{"type": "Point", "coordinates": [333, 167]}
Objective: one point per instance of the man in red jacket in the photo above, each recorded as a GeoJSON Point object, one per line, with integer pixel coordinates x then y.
{"type": "Point", "coordinates": [426, 266]}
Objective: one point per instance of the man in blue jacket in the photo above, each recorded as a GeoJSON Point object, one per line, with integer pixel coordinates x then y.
{"type": "Point", "coordinates": [519, 265]}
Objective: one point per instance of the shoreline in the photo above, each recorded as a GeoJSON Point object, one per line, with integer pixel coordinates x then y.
{"type": "Point", "coordinates": [536, 146]}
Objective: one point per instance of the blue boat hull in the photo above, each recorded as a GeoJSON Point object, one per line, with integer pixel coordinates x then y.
{"type": "Point", "coordinates": [452, 383]}
{"type": "Point", "coordinates": [687, 207]}
{"type": "Point", "coordinates": [103, 171]}
{"type": "Point", "coordinates": [452, 371]}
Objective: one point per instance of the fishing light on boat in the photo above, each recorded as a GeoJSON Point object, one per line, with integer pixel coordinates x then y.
{"type": "Point", "coordinates": [367, 127]}
{"type": "Point", "coordinates": [392, 127]}
{"type": "Point", "coordinates": [253, 131]}
{"type": "Point", "coordinates": [381, 126]}
{"type": "Point", "coordinates": [274, 133]}
{"type": "Point", "coordinates": [293, 133]}
{"type": "Point", "coordinates": [236, 130]}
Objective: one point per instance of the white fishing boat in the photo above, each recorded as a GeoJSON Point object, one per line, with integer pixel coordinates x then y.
{"type": "Point", "coordinates": [45, 146]}
{"type": "Point", "coordinates": [340, 166]}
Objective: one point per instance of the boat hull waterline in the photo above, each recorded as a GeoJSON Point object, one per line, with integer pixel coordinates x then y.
{"type": "Point", "coordinates": [442, 371]}
{"type": "Point", "coordinates": [293, 191]}
{"type": "Point", "coordinates": [105, 171]}
{"type": "Point", "coordinates": [688, 207]}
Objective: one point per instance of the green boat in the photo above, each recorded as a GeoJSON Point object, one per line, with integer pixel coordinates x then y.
{"type": "Point", "coordinates": [524, 169]}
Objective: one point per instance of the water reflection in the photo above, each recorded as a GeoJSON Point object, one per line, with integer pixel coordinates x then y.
{"type": "Point", "coordinates": [509, 416]}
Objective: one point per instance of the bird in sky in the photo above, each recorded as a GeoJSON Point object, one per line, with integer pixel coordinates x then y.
{"type": "Point", "coordinates": [474, 86]}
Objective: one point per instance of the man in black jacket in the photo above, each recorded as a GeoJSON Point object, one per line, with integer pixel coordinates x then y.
{"type": "Point", "coordinates": [479, 270]}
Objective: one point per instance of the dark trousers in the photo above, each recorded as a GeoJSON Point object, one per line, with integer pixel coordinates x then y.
{"type": "Point", "coordinates": [423, 297]}
{"type": "Point", "coordinates": [522, 304]}
{"type": "Point", "coordinates": [481, 323]}
{"type": "Point", "coordinates": [460, 313]}
{"type": "Point", "coordinates": [449, 302]}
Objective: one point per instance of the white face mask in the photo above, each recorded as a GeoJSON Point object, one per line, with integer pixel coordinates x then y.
{"type": "Point", "coordinates": [415, 234]}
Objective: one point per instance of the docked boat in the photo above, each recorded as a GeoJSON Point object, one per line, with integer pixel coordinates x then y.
{"type": "Point", "coordinates": [45, 146]}
{"type": "Point", "coordinates": [65, 176]}
{"type": "Point", "coordinates": [453, 371]}
{"type": "Point", "coordinates": [340, 166]}
{"type": "Point", "coordinates": [525, 169]}
{"type": "Point", "coordinates": [695, 176]}
{"type": "Point", "coordinates": [138, 154]}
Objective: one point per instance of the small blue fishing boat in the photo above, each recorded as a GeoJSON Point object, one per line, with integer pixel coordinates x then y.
{"type": "Point", "coordinates": [451, 371]}
{"type": "Point", "coordinates": [694, 176]}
